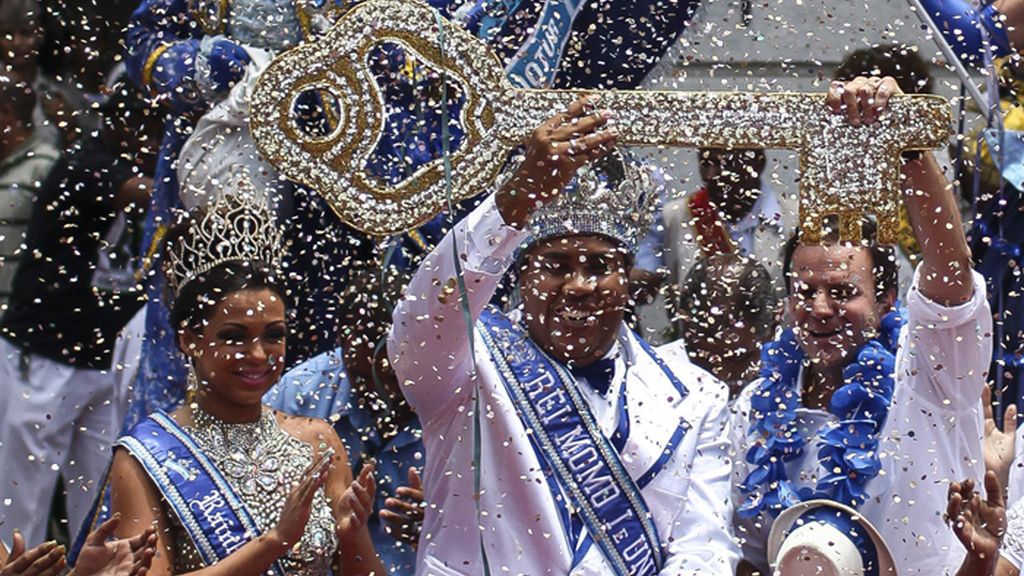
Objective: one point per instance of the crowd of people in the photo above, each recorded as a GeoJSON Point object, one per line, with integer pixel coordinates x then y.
{"type": "Point", "coordinates": [204, 370]}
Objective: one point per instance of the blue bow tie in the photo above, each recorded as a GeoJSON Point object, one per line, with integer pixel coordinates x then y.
{"type": "Point", "coordinates": [597, 375]}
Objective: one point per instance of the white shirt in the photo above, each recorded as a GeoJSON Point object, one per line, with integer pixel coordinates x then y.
{"type": "Point", "coordinates": [1013, 542]}
{"type": "Point", "coordinates": [933, 435]}
{"type": "Point", "coordinates": [518, 522]}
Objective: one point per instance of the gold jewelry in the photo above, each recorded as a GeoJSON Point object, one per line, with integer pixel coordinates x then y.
{"type": "Point", "coordinates": [147, 68]}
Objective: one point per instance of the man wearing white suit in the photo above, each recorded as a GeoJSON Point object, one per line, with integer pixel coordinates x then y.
{"type": "Point", "coordinates": [559, 442]}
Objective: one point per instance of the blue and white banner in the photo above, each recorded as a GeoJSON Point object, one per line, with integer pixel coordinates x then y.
{"type": "Point", "coordinates": [575, 44]}
{"type": "Point", "coordinates": [212, 514]}
{"type": "Point", "coordinates": [571, 444]}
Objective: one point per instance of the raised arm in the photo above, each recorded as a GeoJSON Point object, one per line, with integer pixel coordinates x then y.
{"type": "Point", "coordinates": [164, 52]}
{"type": "Point", "coordinates": [934, 214]}
{"type": "Point", "coordinates": [429, 340]}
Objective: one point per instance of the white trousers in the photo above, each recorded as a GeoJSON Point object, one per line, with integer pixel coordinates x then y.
{"type": "Point", "coordinates": [58, 419]}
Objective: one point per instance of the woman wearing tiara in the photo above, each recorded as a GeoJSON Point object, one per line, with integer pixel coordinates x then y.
{"type": "Point", "coordinates": [233, 487]}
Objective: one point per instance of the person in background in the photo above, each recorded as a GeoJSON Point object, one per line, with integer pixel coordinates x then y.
{"type": "Point", "coordinates": [735, 211]}
{"type": "Point", "coordinates": [21, 37]}
{"type": "Point", "coordinates": [726, 310]}
{"type": "Point", "coordinates": [26, 158]}
{"type": "Point", "coordinates": [354, 388]}
{"type": "Point", "coordinates": [101, 556]}
{"type": "Point", "coordinates": [73, 292]}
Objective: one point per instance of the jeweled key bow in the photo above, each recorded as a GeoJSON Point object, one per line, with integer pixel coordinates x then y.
{"type": "Point", "coordinates": [845, 171]}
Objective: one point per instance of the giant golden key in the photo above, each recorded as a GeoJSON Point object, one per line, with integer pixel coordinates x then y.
{"type": "Point", "coordinates": [845, 171]}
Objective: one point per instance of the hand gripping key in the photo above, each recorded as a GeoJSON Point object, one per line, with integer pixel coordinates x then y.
{"type": "Point", "coordinates": [846, 171]}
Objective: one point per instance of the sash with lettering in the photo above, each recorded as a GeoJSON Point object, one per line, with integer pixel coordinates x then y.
{"type": "Point", "coordinates": [212, 514]}
{"type": "Point", "coordinates": [540, 41]}
{"type": "Point", "coordinates": [572, 447]}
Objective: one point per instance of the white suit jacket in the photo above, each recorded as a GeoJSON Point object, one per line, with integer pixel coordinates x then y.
{"type": "Point", "coordinates": [515, 518]}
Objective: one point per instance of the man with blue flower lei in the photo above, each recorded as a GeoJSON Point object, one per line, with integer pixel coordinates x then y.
{"type": "Point", "coordinates": [860, 401]}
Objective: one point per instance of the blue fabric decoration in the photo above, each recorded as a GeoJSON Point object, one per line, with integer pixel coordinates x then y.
{"type": "Point", "coordinates": [227, 64]}
{"type": "Point", "coordinates": [1009, 160]}
{"type": "Point", "coordinates": [848, 451]}
{"type": "Point", "coordinates": [961, 25]}
{"type": "Point", "coordinates": [598, 375]}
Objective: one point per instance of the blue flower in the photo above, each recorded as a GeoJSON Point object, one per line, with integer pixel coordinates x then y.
{"type": "Point", "coordinates": [847, 451]}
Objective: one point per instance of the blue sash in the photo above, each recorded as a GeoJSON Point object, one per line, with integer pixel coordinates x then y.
{"type": "Point", "coordinates": [537, 61]}
{"type": "Point", "coordinates": [214, 517]}
{"type": "Point", "coordinates": [583, 460]}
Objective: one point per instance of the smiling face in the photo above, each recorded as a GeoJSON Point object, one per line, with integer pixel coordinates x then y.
{"type": "Point", "coordinates": [575, 291]}
{"type": "Point", "coordinates": [833, 303]}
{"type": "Point", "coordinates": [239, 353]}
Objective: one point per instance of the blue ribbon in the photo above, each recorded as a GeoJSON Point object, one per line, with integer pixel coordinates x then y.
{"type": "Point", "coordinates": [848, 451]}
{"type": "Point", "coordinates": [203, 501]}
{"type": "Point", "coordinates": [585, 463]}
{"type": "Point", "coordinates": [536, 62]}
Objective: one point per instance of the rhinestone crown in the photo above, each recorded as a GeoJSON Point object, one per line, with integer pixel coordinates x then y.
{"type": "Point", "coordinates": [615, 196]}
{"type": "Point", "coordinates": [235, 228]}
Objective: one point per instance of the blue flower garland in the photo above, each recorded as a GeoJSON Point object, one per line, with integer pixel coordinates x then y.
{"type": "Point", "coordinates": [847, 451]}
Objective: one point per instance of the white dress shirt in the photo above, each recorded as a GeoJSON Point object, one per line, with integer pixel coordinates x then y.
{"type": "Point", "coordinates": [516, 516]}
{"type": "Point", "coordinates": [933, 435]}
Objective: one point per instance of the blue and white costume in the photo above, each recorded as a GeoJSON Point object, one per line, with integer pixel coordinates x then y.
{"type": "Point", "coordinates": [665, 418]}
{"type": "Point", "coordinates": [223, 485]}
{"type": "Point", "coordinates": [931, 436]}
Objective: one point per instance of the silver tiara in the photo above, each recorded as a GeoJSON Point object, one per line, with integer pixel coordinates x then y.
{"type": "Point", "coordinates": [615, 196]}
{"type": "Point", "coordinates": [235, 228]}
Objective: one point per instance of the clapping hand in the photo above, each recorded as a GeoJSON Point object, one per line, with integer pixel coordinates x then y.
{"type": "Point", "coordinates": [978, 524]}
{"type": "Point", "coordinates": [43, 560]}
{"type": "Point", "coordinates": [299, 503]}
{"type": "Point", "coordinates": [1000, 445]}
{"type": "Point", "coordinates": [359, 500]}
{"type": "Point", "coordinates": [102, 556]}
{"type": "Point", "coordinates": [403, 517]}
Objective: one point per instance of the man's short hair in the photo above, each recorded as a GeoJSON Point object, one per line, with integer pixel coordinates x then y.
{"type": "Point", "coordinates": [900, 61]}
{"type": "Point", "coordinates": [884, 267]}
{"type": "Point", "coordinates": [743, 280]}
{"type": "Point", "coordinates": [17, 99]}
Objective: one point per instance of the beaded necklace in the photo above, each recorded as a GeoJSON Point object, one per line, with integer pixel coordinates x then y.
{"type": "Point", "coordinates": [847, 450]}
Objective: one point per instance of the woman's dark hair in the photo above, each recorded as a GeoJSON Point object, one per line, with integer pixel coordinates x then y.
{"type": "Point", "coordinates": [192, 306]}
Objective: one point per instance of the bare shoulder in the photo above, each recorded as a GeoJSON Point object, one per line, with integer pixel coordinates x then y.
{"type": "Point", "coordinates": [133, 494]}
{"type": "Point", "coordinates": [125, 466]}
{"type": "Point", "coordinates": [313, 431]}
